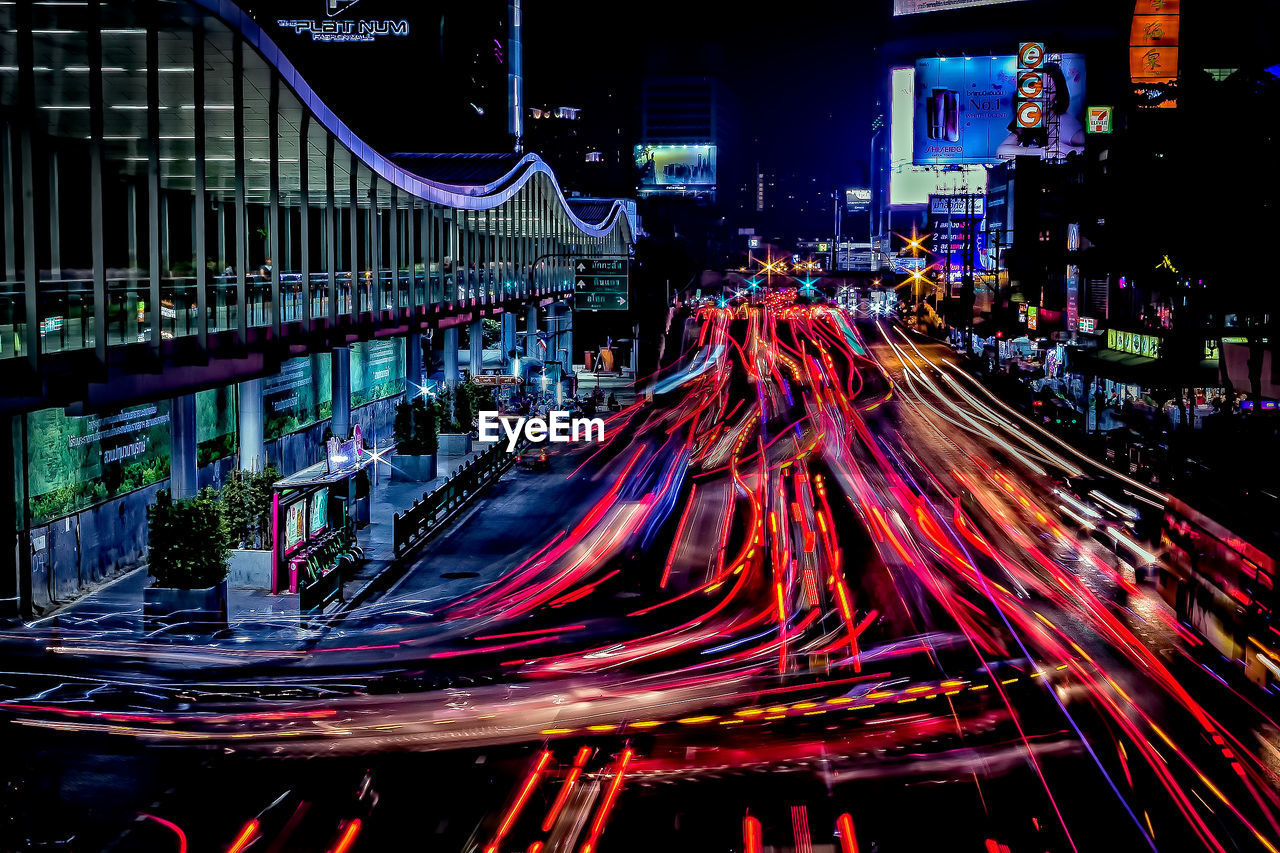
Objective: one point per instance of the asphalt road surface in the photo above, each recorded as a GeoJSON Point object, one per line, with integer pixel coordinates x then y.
{"type": "Point", "coordinates": [818, 589]}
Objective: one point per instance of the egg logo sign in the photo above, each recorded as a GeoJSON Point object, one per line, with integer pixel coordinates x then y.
{"type": "Point", "coordinates": [1030, 84]}
{"type": "Point", "coordinates": [1030, 55]}
{"type": "Point", "coordinates": [1030, 114]}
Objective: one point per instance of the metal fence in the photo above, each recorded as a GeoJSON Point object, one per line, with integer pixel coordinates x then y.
{"type": "Point", "coordinates": [416, 525]}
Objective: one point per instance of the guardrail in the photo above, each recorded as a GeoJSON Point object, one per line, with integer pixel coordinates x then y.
{"type": "Point", "coordinates": [314, 597]}
{"type": "Point", "coordinates": [412, 528]}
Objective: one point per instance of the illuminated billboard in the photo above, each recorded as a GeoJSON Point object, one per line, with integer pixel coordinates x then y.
{"type": "Point", "coordinates": [857, 200]}
{"type": "Point", "coordinates": [911, 184]}
{"type": "Point", "coordinates": [377, 370]}
{"type": "Point", "coordinates": [964, 110]}
{"type": "Point", "coordinates": [676, 169]}
{"type": "Point", "coordinates": [1153, 50]}
{"type": "Point", "coordinates": [74, 462]}
{"type": "Point", "coordinates": [917, 7]}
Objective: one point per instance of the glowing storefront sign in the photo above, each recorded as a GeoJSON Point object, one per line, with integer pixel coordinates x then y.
{"type": "Point", "coordinates": [1153, 49]}
{"type": "Point", "coordinates": [1133, 343]}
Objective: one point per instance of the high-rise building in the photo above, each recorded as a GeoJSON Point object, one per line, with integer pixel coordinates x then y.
{"type": "Point", "coordinates": [684, 126]}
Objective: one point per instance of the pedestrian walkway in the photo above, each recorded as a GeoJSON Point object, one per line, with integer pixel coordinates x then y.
{"type": "Point", "coordinates": [256, 614]}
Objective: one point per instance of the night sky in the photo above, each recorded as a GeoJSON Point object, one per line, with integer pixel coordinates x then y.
{"type": "Point", "coordinates": [802, 78]}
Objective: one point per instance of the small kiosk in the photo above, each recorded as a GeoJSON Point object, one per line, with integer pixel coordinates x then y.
{"type": "Point", "coordinates": [313, 518]}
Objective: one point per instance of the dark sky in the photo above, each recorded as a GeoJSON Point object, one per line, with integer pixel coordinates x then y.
{"type": "Point", "coordinates": [802, 77]}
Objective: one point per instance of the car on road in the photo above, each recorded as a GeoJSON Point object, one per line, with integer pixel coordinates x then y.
{"type": "Point", "coordinates": [534, 458]}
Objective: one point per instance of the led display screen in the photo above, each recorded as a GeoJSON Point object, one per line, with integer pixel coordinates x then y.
{"type": "Point", "coordinates": [676, 168]}
{"type": "Point", "coordinates": [964, 110]}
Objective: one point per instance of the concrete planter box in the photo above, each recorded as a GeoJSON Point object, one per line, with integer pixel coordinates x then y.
{"type": "Point", "coordinates": [412, 469]}
{"type": "Point", "coordinates": [162, 605]}
{"type": "Point", "coordinates": [250, 569]}
{"type": "Point", "coordinates": [454, 444]}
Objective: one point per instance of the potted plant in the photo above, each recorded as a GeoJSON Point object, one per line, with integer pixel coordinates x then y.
{"type": "Point", "coordinates": [187, 560]}
{"type": "Point", "coordinates": [455, 434]}
{"type": "Point", "coordinates": [246, 510]}
{"type": "Point", "coordinates": [416, 443]}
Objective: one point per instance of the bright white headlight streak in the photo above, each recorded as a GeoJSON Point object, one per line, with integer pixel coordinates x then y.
{"type": "Point", "coordinates": [1145, 556]}
{"type": "Point", "coordinates": [1126, 511]}
{"type": "Point", "coordinates": [1075, 504]}
{"type": "Point", "coordinates": [1083, 522]}
{"type": "Point", "coordinates": [974, 425]}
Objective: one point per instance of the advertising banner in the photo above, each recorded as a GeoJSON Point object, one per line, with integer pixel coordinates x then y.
{"type": "Point", "coordinates": [949, 242]}
{"type": "Point", "coordinates": [857, 200]}
{"type": "Point", "coordinates": [955, 206]}
{"type": "Point", "coordinates": [377, 370]}
{"type": "Point", "coordinates": [910, 184]}
{"type": "Point", "coordinates": [298, 396]}
{"type": "Point", "coordinates": [676, 168]}
{"type": "Point", "coordinates": [1154, 36]}
{"type": "Point", "coordinates": [1073, 297]}
{"type": "Point", "coordinates": [215, 423]}
{"type": "Point", "coordinates": [76, 462]}
{"type": "Point", "coordinates": [965, 109]}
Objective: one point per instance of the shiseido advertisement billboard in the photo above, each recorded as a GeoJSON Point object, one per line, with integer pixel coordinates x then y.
{"type": "Point", "coordinates": [964, 110]}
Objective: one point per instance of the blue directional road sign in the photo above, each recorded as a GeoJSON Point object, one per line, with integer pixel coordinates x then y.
{"type": "Point", "coordinates": [601, 284]}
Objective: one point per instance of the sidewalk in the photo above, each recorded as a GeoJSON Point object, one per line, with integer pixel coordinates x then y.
{"type": "Point", "coordinates": [386, 498]}
{"type": "Point", "coordinates": [255, 614]}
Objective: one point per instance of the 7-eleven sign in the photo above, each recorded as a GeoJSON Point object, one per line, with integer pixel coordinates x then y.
{"type": "Point", "coordinates": [1100, 118]}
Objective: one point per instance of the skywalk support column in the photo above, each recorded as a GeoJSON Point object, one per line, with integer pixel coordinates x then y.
{"type": "Point", "coordinates": [15, 543]}
{"type": "Point", "coordinates": [340, 392]}
{"type": "Point", "coordinates": [508, 336]}
{"type": "Point", "coordinates": [413, 365]}
{"type": "Point", "coordinates": [252, 452]}
{"type": "Point", "coordinates": [531, 332]}
{"type": "Point", "coordinates": [477, 347]}
{"type": "Point", "coordinates": [183, 467]}
{"type": "Point", "coordinates": [451, 357]}
{"type": "Point", "coordinates": [566, 335]}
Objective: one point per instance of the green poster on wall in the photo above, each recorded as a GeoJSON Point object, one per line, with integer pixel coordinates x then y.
{"type": "Point", "coordinates": [76, 462]}
{"type": "Point", "coordinates": [215, 423]}
{"type": "Point", "coordinates": [377, 370]}
{"type": "Point", "coordinates": [298, 396]}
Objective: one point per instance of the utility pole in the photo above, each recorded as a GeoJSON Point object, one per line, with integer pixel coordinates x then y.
{"type": "Point", "coordinates": [835, 240]}
{"type": "Point", "coordinates": [946, 276]}
{"type": "Point", "coordinates": [966, 275]}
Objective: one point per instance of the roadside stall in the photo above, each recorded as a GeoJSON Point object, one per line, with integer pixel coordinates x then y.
{"type": "Point", "coordinates": [313, 516]}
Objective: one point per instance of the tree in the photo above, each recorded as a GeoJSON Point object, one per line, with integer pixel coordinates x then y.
{"type": "Point", "coordinates": [462, 411]}
{"type": "Point", "coordinates": [246, 507]}
{"type": "Point", "coordinates": [425, 427]}
{"type": "Point", "coordinates": [415, 428]}
{"type": "Point", "coordinates": [187, 541]}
